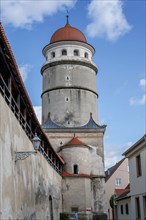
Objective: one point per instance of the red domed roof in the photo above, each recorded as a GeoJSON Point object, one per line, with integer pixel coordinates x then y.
{"type": "Point", "coordinates": [68, 33]}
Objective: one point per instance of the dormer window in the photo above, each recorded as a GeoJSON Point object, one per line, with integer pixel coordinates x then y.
{"type": "Point", "coordinates": [76, 53]}
{"type": "Point", "coordinates": [64, 52]}
{"type": "Point", "coordinates": [53, 54]}
{"type": "Point", "coordinates": [86, 55]}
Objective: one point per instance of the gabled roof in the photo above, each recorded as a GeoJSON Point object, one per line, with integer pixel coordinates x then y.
{"type": "Point", "coordinates": [111, 170]}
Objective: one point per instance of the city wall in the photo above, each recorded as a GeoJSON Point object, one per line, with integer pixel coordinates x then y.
{"type": "Point", "coordinates": [29, 188]}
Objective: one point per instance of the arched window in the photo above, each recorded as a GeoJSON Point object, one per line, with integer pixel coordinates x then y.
{"type": "Point", "coordinates": [76, 170]}
{"type": "Point", "coordinates": [86, 55]}
{"type": "Point", "coordinates": [53, 54]}
{"type": "Point", "coordinates": [64, 52]}
{"type": "Point", "coordinates": [76, 53]}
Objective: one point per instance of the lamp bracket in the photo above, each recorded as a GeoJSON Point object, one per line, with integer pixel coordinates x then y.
{"type": "Point", "coordinates": [23, 155]}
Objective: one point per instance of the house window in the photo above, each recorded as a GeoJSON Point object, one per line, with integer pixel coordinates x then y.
{"type": "Point", "coordinates": [118, 181]}
{"type": "Point", "coordinates": [76, 53]}
{"type": "Point", "coordinates": [138, 166]}
{"type": "Point", "coordinates": [127, 209]}
{"type": "Point", "coordinates": [122, 210]}
{"type": "Point", "coordinates": [76, 170]}
{"type": "Point", "coordinates": [137, 204]}
{"type": "Point", "coordinates": [64, 52]}
{"type": "Point", "coordinates": [86, 55]}
{"type": "Point", "coordinates": [144, 206]}
{"type": "Point", "coordinates": [67, 99]}
{"type": "Point", "coordinates": [53, 54]}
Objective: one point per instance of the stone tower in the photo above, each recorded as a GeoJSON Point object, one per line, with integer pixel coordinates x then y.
{"type": "Point", "coordinates": [70, 119]}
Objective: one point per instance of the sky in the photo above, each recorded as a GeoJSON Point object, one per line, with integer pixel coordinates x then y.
{"type": "Point", "coordinates": [117, 31]}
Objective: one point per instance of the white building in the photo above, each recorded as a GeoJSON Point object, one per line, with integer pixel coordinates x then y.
{"type": "Point", "coordinates": [132, 205]}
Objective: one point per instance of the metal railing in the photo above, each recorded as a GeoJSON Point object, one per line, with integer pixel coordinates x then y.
{"type": "Point", "coordinates": [15, 109]}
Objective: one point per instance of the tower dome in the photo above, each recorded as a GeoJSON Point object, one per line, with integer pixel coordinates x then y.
{"type": "Point", "coordinates": [68, 33]}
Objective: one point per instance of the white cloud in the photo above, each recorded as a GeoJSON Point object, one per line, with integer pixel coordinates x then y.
{"type": "Point", "coordinates": [38, 111]}
{"type": "Point", "coordinates": [108, 19]}
{"type": "Point", "coordinates": [114, 156]}
{"type": "Point", "coordinates": [24, 71]}
{"type": "Point", "coordinates": [138, 101]}
{"type": "Point", "coordinates": [24, 13]}
{"type": "Point", "coordinates": [141, 100]}
{"type": "Point", "coordinates": [111, 158]}
{"type": "Point", "coordinates": [142, 82]}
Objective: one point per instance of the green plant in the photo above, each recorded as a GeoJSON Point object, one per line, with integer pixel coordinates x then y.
{"type": "Point", "coordinates": [64, 216]}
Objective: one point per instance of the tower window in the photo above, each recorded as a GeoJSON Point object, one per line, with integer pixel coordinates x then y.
{"type": "Point", "coordinates": [67, 99]}
{"type": "Point", "coordinates": [76, 53]}
{"type": "Point", "coordinates": [76, 170]}
{"type": "Point", "coordinates": [86, 55]}
{"type": "Point", "coordinates": [53, 54]}
{"type": "Point", "coordinates": [64, 52]}
{"type": "Point", "coordinates": [67, 78]}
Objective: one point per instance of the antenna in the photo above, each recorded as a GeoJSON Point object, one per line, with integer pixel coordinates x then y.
{"type": "Point", "coordinates": [67, 16]}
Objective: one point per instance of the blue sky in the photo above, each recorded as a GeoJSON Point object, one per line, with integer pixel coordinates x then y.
{"type": "Point", "coordinates": [117, 30]}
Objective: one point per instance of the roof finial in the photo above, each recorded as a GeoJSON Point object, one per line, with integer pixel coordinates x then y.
{"type": "Point", "coordinates": [67, 16]}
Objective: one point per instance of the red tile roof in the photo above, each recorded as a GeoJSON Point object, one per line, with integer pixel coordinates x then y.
{"type": "Point", "coordinates": [75, 142]}
{"type": "Point", "coordinates": [121, 193]}
{"type": "Point", "coordinates": [67, 33]}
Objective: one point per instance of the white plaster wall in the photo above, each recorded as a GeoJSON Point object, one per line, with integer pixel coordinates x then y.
{"type": "Point", "coordinates": [77, 192]}
{"type": "Point", "coordinates": [125, 216]}
{"type": "Point", "coordinates": [25, 185]}
{"type": "Point", "coordinates": [77, 155]}
{"type": "Point", "coordinates": [70, 52]}
{"type": "Point", "coordinates": [70, 46]}
{"type": "Point", "coordinates": [76, 111]}
{"type": "Point", "coordinates": [138, 184]}
{"type": "Point", "coordinates": [80, 76]}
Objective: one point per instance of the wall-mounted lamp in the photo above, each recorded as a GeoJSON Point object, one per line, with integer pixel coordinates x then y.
{"type": "Point", "coordinates": [36, 141]}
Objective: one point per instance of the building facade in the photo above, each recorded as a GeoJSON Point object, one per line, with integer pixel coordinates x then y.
{"type": "Point", "coordinates": [117, 178]}
{"type": "Point", "coordinates": [132, 205]}
{"type": "Point", "coordinates": [70, 118]}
